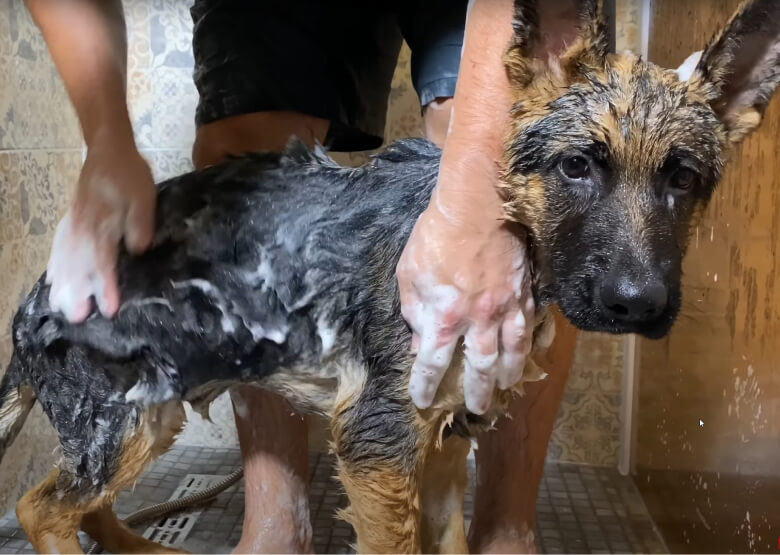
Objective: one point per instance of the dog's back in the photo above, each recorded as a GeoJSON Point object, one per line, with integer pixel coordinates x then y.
{"type": "Point", "coordinates": [267, 268]}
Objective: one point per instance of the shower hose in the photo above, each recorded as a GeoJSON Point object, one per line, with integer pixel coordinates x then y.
{"type": "Point", "coordinates": [161, 509]}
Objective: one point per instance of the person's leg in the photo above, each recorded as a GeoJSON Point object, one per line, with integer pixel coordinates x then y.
{"type": "Point", "coordinates": [510, 459]}
{"type": "Point", "coordinates": [274, 448]}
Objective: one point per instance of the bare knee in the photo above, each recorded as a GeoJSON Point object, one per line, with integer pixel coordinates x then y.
{"type": "Point", "coordinates": [274, 445]}
{"type": "Point", "coordinates": [270, 429]}
{"type": "Point", "coordinates": [437, 117]}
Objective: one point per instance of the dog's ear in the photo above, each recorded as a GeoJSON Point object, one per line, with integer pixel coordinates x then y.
{"type": "Point", "coordinates": [740, 69]}
{"type": "Point", "coordinates": [557, 35]}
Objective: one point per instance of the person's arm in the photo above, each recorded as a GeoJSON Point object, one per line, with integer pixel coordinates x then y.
{"type": "Point", "coordinates": [463, 273]}
{"type": "Point", "coordinates": [86, 39]}
{"type": "Point", "coordinates": [481, 108]}
{"type": "Point", "coordinates": [115, 193]}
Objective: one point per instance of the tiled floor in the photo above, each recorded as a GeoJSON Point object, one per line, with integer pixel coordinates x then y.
{"type": "Point", "coordinates": [581, 509]}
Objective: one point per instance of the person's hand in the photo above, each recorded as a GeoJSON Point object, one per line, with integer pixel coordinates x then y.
{"type": "Point", "coordinates": [463, 273]}
{"type": "Point", "coordinates": [115, 199]}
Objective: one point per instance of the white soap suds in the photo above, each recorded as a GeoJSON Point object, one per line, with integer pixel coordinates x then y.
{"type": "Point", "coordinates": [327, 335]}
{"type": "Point", "coordinates": [433, 357]}
{"type": "Point", "coordinates": [146, 302]}
{"type": "Point", "coordinates": [151, 393]}
{"type": "Point", "coordinates": [226, 321]}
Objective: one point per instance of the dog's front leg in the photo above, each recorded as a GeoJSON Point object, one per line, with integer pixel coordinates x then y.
{"type": "Point", "coordinates": [380, 444]}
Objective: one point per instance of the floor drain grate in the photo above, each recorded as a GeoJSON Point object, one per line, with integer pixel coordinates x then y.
{"type": "Point", "coordinates": [172, 530]}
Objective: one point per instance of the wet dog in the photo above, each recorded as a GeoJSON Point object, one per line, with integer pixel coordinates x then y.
{"type": "Point", "coordinates": [278, 271]}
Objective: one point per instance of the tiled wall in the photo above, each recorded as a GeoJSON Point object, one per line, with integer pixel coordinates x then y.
{"type": "Point", "coordinates": [40, 154]}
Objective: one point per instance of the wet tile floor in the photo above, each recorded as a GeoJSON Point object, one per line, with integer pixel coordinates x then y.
{"type": "Point", "coordinates": [582, 509]}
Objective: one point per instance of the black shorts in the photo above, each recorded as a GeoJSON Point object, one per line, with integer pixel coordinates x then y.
{"type": "Point", "coordinates": [332, 59]}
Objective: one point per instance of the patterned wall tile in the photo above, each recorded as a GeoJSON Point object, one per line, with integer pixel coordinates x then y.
{"type": "Point", "coordinates": [12, 261]}
{"type": "Point", "coordinates": [5, 29]}
{"type": "Point", "coordinates": [218, 431]}
{"type": "Point", "coordinates": [170, 163]}
{"type": "Point", "coordinates": [40, 114]}
{"type": "Point", "coordinates": [628, 16]}
{"type": "Point", "coordinates": [597, 364]}
{"type": "Point", "coordinates": [587, 429]}
{"type": "Point", "coordinates": [6, 97]}
{"type": "Point", "coordinates": [36, 256]}
{"type": "Point", "coordinates": [34, 190]}
{"type": "Point", "coordinates": [11, 227]}
{"type": "Point", "coordinates": [139, 49]}
{"type": "Point", "coordinates": [26, 40]}
{"type": "Point", "coordinates": [140, 99]}
{"type": "Point", "coordinates": [173, 112]}
{"type": "Point", "coordinates": [46, 182]}
{"type": "Point", "coordinates": [35, 112]}
{"type": "Point", "coordinates": [171, 34]}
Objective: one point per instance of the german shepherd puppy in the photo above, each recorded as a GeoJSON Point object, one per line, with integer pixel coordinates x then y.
{"type": "Point", "coordinates": [278, 270]}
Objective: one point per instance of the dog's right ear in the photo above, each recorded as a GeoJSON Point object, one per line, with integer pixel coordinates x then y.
{"type": "Point", "coordinates": [739, 71]}
{"type": "Point", "coordinates": [556, 35]}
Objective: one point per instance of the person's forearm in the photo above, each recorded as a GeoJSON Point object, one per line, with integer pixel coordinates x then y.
{"type": "Point", "coordinates": [87, 41]}
{"type": "Point", "coordinates": [482, 101]}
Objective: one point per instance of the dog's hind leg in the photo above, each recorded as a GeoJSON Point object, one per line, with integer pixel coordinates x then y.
{"type": "Point", "coordinates": [380, 448]}
{"type": "Point", "coordinates": [50, 521]}
{"type": "Point", "coordinates": [51, 516]}
{"type": "Point", "coordinates": [443, 487]}
{"type": "Point", "coordinates": [154, 436]}
{"type": "Point", "coordinates": [114, 536]}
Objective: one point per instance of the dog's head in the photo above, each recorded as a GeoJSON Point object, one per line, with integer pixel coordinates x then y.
{"type": "Point", "coordinates": [611, 159]}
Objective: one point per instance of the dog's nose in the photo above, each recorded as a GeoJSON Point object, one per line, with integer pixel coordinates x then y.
{"type": "Point", "coordinates": [633, 300]}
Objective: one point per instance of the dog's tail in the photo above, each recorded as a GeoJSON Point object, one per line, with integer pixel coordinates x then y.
{"type": "Point", "coordinates": [16, 400]}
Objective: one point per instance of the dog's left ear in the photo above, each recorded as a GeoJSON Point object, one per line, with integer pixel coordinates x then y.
{"type": "Point", "coordinates": [740, 69]}
{"type": "Point", "coordinates": [557, 35]}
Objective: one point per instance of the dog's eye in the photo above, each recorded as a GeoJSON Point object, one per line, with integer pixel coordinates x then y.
{"type": "Point", "coordinates": [575, 167]}
{"type": "Point", "coordinates": [683, 179]}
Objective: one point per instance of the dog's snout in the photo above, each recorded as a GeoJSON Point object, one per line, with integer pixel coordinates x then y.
{"type": "Point", "coordinates": [633, 299]}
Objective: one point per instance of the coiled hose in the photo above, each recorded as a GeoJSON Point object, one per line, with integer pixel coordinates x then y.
{"type": "Point", "coordinates": [161, 509]}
